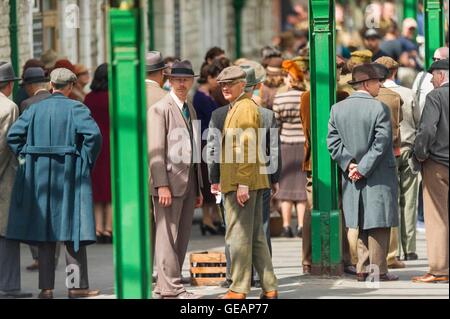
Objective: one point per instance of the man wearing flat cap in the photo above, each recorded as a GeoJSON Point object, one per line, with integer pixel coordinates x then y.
{"type": "Point", "coordinates": [357, 58]}
{"type": "Point", "coordinates": [57, 143]}
{"type": "Point", "coordinates": [176, 179]}
{"type": "Point", "coordinates": [408, 181]}
{"type": "Point", "coordinates": [243, 179]}
{"type": "Point", "coordinates": [36, 85]}
{"type": "Point", "coordinates": [360, 141]}
{"type": "Point", "coordinates": [9, 249]}
{"type": "Point", "coordinates": [431, 151]}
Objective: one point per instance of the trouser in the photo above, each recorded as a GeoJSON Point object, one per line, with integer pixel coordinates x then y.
{"type": "Point", "coordinates": [173, 230]}
{"type": "Point", "coordinates": [266, 225]}
{"type": "Point", "coordinates": [409, 188]}
{"type": "Point", "coordinates": [9, 265]}
{"type": "Point", "coordinates": [248, 244]}
{"type": "Point", "coordinates": [435, 198]}
{"type": "Point", "coordinates": [35, 252]}
{"type": "Point", "coordinates": [77, 268]}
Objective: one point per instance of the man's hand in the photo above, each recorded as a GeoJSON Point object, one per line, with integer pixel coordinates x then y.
{"type": "Point", "coordinates": [275, 189]}
{"type": "Point", "coordinates": [354, 174]}
{"type": "Point", "coordinates": [165, 197]}
{"type": "Point", "coordinates": [215, 189]}
{"type": "Point", "coordinates": [242, 195]}
{"type": "Point", "coordinates": [199, 201]}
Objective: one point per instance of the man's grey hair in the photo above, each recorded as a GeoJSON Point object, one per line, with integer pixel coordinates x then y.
{"type": "Point", "coordinates": [445, 73]}
{"type": "Point", "coordinates": [40, 86]}
{"type": "Point", "coordinates": [60, 86]}
{"type": "Point", "coordinates": [441, 53]}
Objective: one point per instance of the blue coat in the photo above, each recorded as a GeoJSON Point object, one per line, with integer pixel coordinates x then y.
{"type": "Point", "coordinates": [360, 131]}
{"type": "Point", "coordinates": [57, 142]}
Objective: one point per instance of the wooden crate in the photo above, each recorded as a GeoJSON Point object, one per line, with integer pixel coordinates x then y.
{"type": "Point", "coordinates": [208, 268]}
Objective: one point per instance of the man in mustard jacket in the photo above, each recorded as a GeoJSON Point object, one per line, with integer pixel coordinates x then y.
{"type": "Point", "coordinates": [243, 180]}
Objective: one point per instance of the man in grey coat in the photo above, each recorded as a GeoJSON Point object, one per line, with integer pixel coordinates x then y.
{"type": "Point", "coordinates": [431, 150]}
{"type": "Point", "coordinates": [360, 141]}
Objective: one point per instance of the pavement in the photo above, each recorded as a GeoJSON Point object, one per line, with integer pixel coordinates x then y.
{"type": "Point", "coordinates": [287, 264]}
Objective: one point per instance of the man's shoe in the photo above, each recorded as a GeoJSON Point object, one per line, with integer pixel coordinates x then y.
{"type": "Point", "coordinates": [300, 232]}
{"type": "Point", "coordinates": [389, 277]}
{"type": "Point", "coordinates": [361, 277]}
{"type": "Point", "coordinates": [15, 294]}
{"type": "Point", "coordinates": [306, 270]}
{"type": "Point", "coordinates": [287, 233]}
{"type": "Point", "coordinates": [411, 256]}
{"type": "Point", "coordinates": [46, 294]}
{"type": "Point", "coordinates": [234, 295]}
{"type": "Point", "coordinates": [156, 296]}
{"type": "Point", "coordinates": [83, 293]}
{"type": "Point", "coordinates": [269, 295]}
{"type": "Point", "coordinates": [185, 295]}
{"type": "Point", "coordinates": [34, 266]}
{"type": "Point", "coordinates": [256, 283]}
{"type": "Point", "coordinates": [226, 283]}
{"type": "Point", "coordinates": [431, 279]}
{"type": "Point", "coordinates": [350, 270]}
{"type": "Point", "coordinates": [397, 264]}
{"type": "Point", "coordinates": [186, 280]}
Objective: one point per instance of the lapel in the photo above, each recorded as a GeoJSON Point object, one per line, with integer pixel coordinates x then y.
{"type": "Point", "coordinates": [177, 114]}
{"type": "Point", "coordinates": [232, 113]}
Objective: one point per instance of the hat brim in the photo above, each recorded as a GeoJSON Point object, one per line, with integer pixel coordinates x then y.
{"type": "Point", "coordinates": [357, 82]}
{"type": "Point", "coordinates": [181, 75]}
{"type": "Point", "coordinates": [150, 69]}
{"type": "Point", "coordinates": [249, 85]}
{"type": "Point", "coordinates": [33, 81]}
{"type": "Point", "coordinates": [10, 80]}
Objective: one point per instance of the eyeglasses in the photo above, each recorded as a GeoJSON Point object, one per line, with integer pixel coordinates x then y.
{"type": "Point", "coordinates": [436, 59]}
{"type": "Point", "coordinates": [229, 84]}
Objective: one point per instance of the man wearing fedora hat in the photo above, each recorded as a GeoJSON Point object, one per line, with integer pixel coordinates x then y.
{"type": "Point", "coordinates": [36, 85]}
{"type": "Point", "coordinates": [431, 150]}
{"type": "Point", "coordinates": [175, 179]}
{"type": "Point", "coordinates": [360, 141]}
{"type": "Point", "coordinates": [9, 249]}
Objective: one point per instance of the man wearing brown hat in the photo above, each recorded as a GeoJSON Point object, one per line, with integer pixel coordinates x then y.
{"type": "Point", "coordinates": [408, 181]}
{"type": "Point", "coordinates": [431, 150]}
{"type": "Point", "coordinates": [360, 141]}
{"type": "Point", "coordinates": [175, 179]}
{"type": "Point", "coordinates": [243, 179]}
{"type": "Point", "coordinates": [9, 249]}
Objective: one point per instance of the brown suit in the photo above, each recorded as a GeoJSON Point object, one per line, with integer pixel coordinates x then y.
{"type": "Point", "coordinates": [183, 177]}
{"type": "Point", "coordinates": [154, 93]}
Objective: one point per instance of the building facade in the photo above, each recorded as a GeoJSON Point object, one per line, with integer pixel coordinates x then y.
{"type": "Point", "coordinates": [76, 29]}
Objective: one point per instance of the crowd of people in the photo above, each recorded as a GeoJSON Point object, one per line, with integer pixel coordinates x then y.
{"type": "Point", "coordinates": [388, 134]}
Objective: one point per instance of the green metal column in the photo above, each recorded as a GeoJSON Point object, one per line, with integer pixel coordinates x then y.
{"type": "Point", "coordinates": [434, 28]}
{"type": "Point", "coordinates": [410, 9]}
{"type": "Point", "coordinates": [326, 219]}
{"type": "Point", "coordinates": [14, 40]}
{"type": "Point", "coordinates": [129, 150]}
{"type": "Point", "coordinates": [238, 7]}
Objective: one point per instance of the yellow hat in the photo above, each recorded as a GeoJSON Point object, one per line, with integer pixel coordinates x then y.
{"type": "Point", "coordinates": [302, 62]}
{"type": "Point", "coordinates": [359, 57]}
{"type": "Point", "coordinates": [388, 62]}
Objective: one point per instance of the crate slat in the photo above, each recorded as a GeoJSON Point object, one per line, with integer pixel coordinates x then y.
{"type": "Point", "coordinates": [208, 270]}
{"type": "Point", "coordinates": [207, 281]}
{"type": "Point", "coordinates": [208, 258]}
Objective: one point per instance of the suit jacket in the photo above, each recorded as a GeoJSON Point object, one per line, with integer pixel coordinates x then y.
{"type": "Point", "coordinates": [9, 113]}
{"type": "Point", "coordinates": [244, 168]}
{"type": "Point", "coordinates": [154, 93]}
{"type": "Point", "coordinates": [42, 95]}
{"type": "Point", "coordinates": [173, 148]}
{"type": "Point", "coordinates": [273, 144]}
{"type": "Point", "coordinates": [214, 143]}
{"type": "Point", "coordinates": [360, 131]}
{"type": "Point", "coordinates": [394, 101]}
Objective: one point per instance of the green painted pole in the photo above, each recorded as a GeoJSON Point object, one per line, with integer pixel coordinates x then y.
{"type": "Point", "coordinates": [238, 7]}
{"type": "Point", "coordinates": [14, 40]}
{"type": "Point", "coordinates": [129, 151]}
{"type": "Point", "coordinates": [326, 219]}
{"type": "Point", "coordinates": [410, 9]}
{"type": "Point", "coordinates": [434, 28]}
{"type": "Point", "coordinates": [151, 25]}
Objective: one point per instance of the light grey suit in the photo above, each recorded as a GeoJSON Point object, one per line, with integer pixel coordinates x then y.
{"type": "Point", "coordinates": [183, 177]}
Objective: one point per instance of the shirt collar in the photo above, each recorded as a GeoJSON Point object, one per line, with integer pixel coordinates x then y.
{"type": "Point", "coordinates": [232, 104]}
{"type": "Point", "coordinates": [1, 94]}
{"type": "Point", "coordinates": [152, 82]}
{"type": "Point", "coordinates": [363, 92]}
{"type": "Point", "coordinates": [444, 83]}
{"type": "Point", "coordinates": [390, 84]}
{"type": "Point", "coordinates": [178, 102]}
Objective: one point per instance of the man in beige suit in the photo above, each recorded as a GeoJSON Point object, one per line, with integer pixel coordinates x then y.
{"type": "Point", "coordinates": [175, 179]}
{"type": "Point", "coordinates": [9, 249]}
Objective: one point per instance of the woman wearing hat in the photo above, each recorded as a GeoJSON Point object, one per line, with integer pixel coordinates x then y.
{"type": "Point", "coordinates": [293, 181]}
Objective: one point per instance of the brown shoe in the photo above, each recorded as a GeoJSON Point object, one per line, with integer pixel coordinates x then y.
{"type": "Point", "coordinates": [34, 266]}
{"type": "Point", "coordinates": [234, 295]}
{"type": "Point", "coordinates": [431, 279]}
{"type": "Point", "coordinates": [361, 277]}
{"type": "Point", "coordinates": [389, 277]}
{"type": "Point", "coordinates": [83, 293]}
{"type": "Point", "coordinates": [397, 264]}
{"type": "Point", "coordinates": [269, 295]}
{"type": "Point", "coordinates": [306, 270]}
{"type": "Point", "coordinates": [46, 294]}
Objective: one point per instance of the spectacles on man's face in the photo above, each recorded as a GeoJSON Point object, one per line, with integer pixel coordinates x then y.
{"type": "Point", "coordinates": [436, 59]}
{"type": "Point", "coordinates": [229, 84]}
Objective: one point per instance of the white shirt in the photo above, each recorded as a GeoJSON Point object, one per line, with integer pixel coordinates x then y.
{"type": "Point", "coordinates": [390, 84]}
{"type": "Point", "coordinates": [178, 102]}
{"type": "Point", "coordinates": [152, 82]}
{"type": "Point", "coordinates": [364, 92]}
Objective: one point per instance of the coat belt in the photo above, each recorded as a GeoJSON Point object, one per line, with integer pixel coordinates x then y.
{"type": "Point", "coordinates": [50, 150]}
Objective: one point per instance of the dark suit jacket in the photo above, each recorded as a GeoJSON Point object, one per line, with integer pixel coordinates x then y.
{"type": "Point", "coordinates": [42, 95]}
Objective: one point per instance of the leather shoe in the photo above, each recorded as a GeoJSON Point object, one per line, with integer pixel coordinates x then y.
{"type": "Point", "coordinates": [34, 266]}
{"type": "Point", "coordinates": [431, 279]}
{"type": "Point", "coordinates": [46, 294]}
{"type": "Point", "coordinates": [234, 295]}
{"type": "Point", "coordinates": [411, 256]}
{"type": "Point", "coordinates": [361, 277]}
{"type": "Point", "coordinates": [185, 295]}
{"type": "Point", "coordinates": [397, 264]}
{"type": "Point", "coordinates": [389, 277]}
{"type": "Point", "coordinates": [269, 295]}
{"type": "Point", "coordinates": [16, 294]}
{"type": "Point", "coordinates": [306, 270]}
{"type": "Point", "coordinates": [83, 293]}
{"type": "Point", "coordinates": [226, 283]}
{"type": "Point", "coordinates": [350, 270]}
